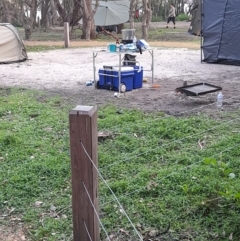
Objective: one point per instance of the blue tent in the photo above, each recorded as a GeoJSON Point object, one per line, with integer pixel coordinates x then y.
{"type": "Point", "coordinates": [221, 31]}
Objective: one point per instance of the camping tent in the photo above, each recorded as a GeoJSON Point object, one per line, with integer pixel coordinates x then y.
{"type": "Point", "coordinates": [221, 31]}
{"type": "Point", "coordinates": [11, 46]}
{"type": "Point", "coordinates": [111, 12]}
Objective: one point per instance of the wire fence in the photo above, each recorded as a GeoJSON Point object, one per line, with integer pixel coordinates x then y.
{"type": "Point", "coordinates": [121, 204]}
{"type": "Point", "coordinates": [223, 136]}
{"type": "Point", "coordinates": [156, 150]}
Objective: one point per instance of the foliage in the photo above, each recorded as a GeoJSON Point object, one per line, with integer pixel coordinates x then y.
{"type": "Point", "coordinates": [157, 18]}
{"type": "Point", "coordinates": [183, 171]}
{"type": "Point", "coordinates": [182, 17]}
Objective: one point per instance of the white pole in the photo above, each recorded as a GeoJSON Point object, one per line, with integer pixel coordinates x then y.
{"type": "Point", "coordinates": [66, 34]}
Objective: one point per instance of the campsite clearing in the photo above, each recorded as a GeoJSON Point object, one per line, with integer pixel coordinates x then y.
{"type": "Point", "coordinates": [66, 72]}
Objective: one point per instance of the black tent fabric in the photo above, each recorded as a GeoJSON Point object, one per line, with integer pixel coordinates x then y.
{"type": "Point", "coordinates": [221, 31]}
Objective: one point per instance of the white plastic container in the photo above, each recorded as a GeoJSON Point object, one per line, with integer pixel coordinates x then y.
{"type": "Point", "coordinates": [134, 41]}
{"type": "Point", "coordinates": [144, 44]}
{"type": "Point", "coordinates": [219, 99]}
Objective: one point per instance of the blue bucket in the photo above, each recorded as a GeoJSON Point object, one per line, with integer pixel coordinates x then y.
{"type": "Point", "coordinates": [112, 47]}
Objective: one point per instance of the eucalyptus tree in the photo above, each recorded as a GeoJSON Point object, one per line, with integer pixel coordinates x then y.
{"type": "Point", "coordinates": [146, 17]}
{"type": "Point", "coordinates": [88, 29]}
{"type": "Point", "coordinates": [132, 12]}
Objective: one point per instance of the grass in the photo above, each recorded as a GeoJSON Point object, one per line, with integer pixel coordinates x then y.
{"type": "Point", "coordinates": [154, 34]}
{"type": "Point", "coordinates": [40, 48]}
{"type": "Point", "coordinates": [154, 164]}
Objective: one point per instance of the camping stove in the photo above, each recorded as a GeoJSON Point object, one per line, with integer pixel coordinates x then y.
{"type": "Point", "coordinates": [127, 36]}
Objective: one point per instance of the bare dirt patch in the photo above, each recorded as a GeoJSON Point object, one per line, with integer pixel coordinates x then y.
{"type": "Point", "coordinates": [14, 231]}
{"type": "Point", "coordinates": [66, 72]}
{"type": "Point", "coordinates": [94, 44]}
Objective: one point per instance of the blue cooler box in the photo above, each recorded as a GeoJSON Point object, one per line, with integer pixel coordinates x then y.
{"type": "Point", "coordinates": [138, 77]}
{"type": "Point", "coordinates": [108, 78]}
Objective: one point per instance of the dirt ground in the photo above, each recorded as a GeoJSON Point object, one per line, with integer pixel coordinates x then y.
{"type": "Point", "coordinates": [14, 231]}
{"type": "Point", "coordinates": [66, 72]}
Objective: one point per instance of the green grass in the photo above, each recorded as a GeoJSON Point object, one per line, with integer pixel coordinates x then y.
{"type": "Point", "coordinates": [40, 48]}
{"type": "Point", "coordinates": [154, 34]}
{"type": "Point", "coordinates": [153, 163]}
{"type": "Point", "coordinates": [160, 34]}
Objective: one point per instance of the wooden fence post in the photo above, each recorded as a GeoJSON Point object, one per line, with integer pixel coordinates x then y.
{"type": "Point", "coordinates": [83, 134]}
{"type": "Point", "coordinates": [66, 34]}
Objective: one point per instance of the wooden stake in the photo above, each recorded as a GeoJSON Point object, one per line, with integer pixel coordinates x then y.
{"type": "Point", "coordinates": [83, 133]}
{"type": "Point", "coordinates": [66, 34]}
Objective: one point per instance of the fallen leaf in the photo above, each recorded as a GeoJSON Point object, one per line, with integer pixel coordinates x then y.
{"type": "Point", "coordinates": [38, 203]}
{"type": "Point", "coordinates": [23, 237]}
{"type": "Point", "coordinates": [11, 210]}
{"type": "Point", "coordinates": [124, 231]}
{"type": "Point", "coordinates": [111, 236]}
{"type": "Point", "coordinates": [15, 219]}
{"type": "Point", "coordinates": [152, 233]}
{"type": "Point", "coordinates": [138, 225]}
{"type": "Point", "coordinates": [53, 208]}
{"type": "Point", "coordinates": [48, 129]}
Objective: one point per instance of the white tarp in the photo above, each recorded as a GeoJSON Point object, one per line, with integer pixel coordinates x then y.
{"type": "Point", "coordinates": [111, 12]}
{"type": "Point", "coordinates": [11, 45]}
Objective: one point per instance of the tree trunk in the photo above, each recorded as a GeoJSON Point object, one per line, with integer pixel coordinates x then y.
{"type": "Point", "coordinates": [132, 13]}
{"type": "Point", "coordinates": [86, 19]}
{"type": "Point", "coordinates": [182, 6]}
{"type": "Point", "coordinates": [44, 11]}
{"type": "Point", "coordinates": [119, 28]}
{"type": "Point", "coordinates": [53, 12]}
{"type": "Point", "coordinates": [1, 12]}
{"type": "Point", "coordinates": [6, 15]}
{"type": "Point", "coordinates": [88, 31]}
{"type": "Point", "coordinates": [77, 12]}
{"type": "Point", "coordinates": [146, 18]}
{"type": "Point", "coordinates": [33, 12]}
{"type": "Point", "coordinates": [160, 9]}
{"type": "Point", "coordinates": [149, 13]}
{"type": "Point", "coordinates": [34, 23]}
{"type": "Point", "coordinates": [60, 10]}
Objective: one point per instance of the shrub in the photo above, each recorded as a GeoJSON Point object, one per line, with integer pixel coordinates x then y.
{"type": "Point", "coordinates": [157, 19]}
{"type": "Point", "coordinates": [182, 17]}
